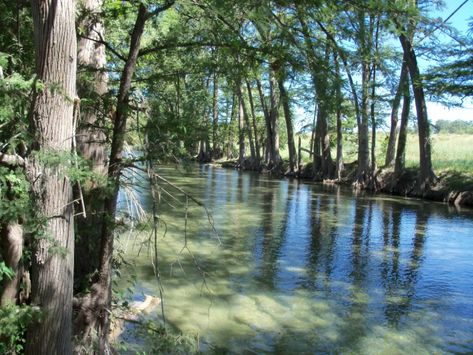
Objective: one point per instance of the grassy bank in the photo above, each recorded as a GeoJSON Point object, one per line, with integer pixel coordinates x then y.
{"type": "Point", "coordinates": [451, 152]}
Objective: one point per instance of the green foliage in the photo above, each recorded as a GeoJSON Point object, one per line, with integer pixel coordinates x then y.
{"type": "Point", "coordinates": [13, 323]}
{"type": "Point", "coordinates": [74, 167]}
{"type": "Point", "coordinates": [14, 197]}
{"type": "Point", "coordinates": [161, 341]}
{"type": "Point", "coordinates": [456, 127]}
{"type": "Point", "coordinates": [5, 271]}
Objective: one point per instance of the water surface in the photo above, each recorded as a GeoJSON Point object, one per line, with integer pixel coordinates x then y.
{"type": "Point", "coordinates": [303, 268]}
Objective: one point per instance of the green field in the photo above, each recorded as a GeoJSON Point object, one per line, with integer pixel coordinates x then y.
{"type": "Point", "coordinates": [450, 151]}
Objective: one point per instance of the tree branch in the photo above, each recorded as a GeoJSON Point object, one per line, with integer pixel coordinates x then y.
{"type": "Point", "coordinates": [158, 10]}
{"type": "Point", "coordinates": [107, 45]}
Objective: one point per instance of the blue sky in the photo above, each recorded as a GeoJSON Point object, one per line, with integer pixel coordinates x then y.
{"type": "Point", "coordinates": [460, 21]}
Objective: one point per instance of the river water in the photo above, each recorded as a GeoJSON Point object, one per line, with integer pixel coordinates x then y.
{"type": "Point", "coordinates": [302, 268]}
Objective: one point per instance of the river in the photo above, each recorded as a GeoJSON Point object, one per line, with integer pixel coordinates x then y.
{"type": "Point", "coordinates": [305, 268]}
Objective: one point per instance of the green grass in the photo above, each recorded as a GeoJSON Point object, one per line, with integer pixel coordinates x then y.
{"type": "Point", "coordinates": [450, 152]}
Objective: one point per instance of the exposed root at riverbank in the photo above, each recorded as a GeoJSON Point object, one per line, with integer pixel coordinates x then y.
{"type": "Point", "coordinates": [451, 187]}
{"type": "Point", "coordinates": [131, 314]}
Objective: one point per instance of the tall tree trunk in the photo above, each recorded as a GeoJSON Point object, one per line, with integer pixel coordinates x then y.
{"type": "Point", "coordinates": [289, 128]}
{"type": "Point", "coordinates": [241, 126]}
{"type": "Point", "coordinates": [52, 128]}
{"type": "Point", "coordinates": [255, 128]}
{"type": "Point", "coordinates": [373, 98]}
{"type": "Point", "coordinates": [11, 241]}
{"type": "Point", "coordinates": [216, 153]}
{"type": "Point", "coordinates": [247, 127]}
{"type": "Point", "coordinates": [427, 176]}
{"type": "Point", "coordinates": [322, 160]}
{"type": "Point", "coordinates": [339, 162]}
{"type": "Point", "coordinates": [230, 131]}
{"type": "Point", "coordinates": [267, 121]}
{"type": "Point", "coordinates": [363, 146]}
{"type": "Point", "coordinates": [91, 56]}
{"type": "Point", "coordinates": [327, 163]}
{"type": "Point", "coordinates": [204, 144]}
{"type": "Point", "coordinates": [95, 307]}
{"type": "Point", "coordinates": [391, 149]}
{"type": "Point", "coordinates": [402, 140]}
{"type": "Point", "coordinates": [314, 126]}
{"type": "Point", "coordinates": [104, 284]}
{"type": "Point", "coordinates": [90, 137]}
{"type": "Point", "coordinates": [274, 158]}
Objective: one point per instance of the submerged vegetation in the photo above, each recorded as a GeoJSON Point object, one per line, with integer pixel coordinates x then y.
{"type": "Point", "coordinates": [95, 93]}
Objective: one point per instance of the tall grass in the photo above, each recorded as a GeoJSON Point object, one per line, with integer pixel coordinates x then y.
{"type": "Point", "coordinates": [449, 151]}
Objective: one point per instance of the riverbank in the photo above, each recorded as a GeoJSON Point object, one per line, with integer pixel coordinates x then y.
{"type": "Point", "coordinates": [454, 188]}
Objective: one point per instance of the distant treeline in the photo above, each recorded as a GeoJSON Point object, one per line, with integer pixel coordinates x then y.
{"type": "Point", "coordinates": [457, 126]}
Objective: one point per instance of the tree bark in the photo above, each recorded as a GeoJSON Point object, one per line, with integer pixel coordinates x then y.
{"type": "Point", "coordinates": [402, 139]}
{"type": "Point", "coordinates": [247, 127]}
{"type": "Point", "coordinates": [12, 250]}
{"type": "Point", "coordinates": [267, 121]}
{"type": "Point", "coordinates": [229, 128]}
{"type": "Point", "coordinates": [427, 176]}
{"type": "Point", "coordinates": [274, 157]}
{"type": "Point", "coordinates": [255, 128]}
{"type": "Point", "coordinates": [95, 307]}
{"type": "Point", "coordinates": [216, 153]}
{"type": "Point", "coordinates": [289, 127]}
{"type": "Point", "coordinates": [91, 56]}
{"type": "Point", "coordinates": [391, 149]}
{"type": "Point", "coordinates": [241, 126]}
{"type": "Point", "coordinates": [339, 160]}
{"type": "Point", "coordinates": [114, 172]}
{"type": "Point", "coordinates": [363, 173]}
{"type": "Point", "coordinates": [373, 98]}
{"type": "Point", "coordinates": [90, 138]}
{"type": "Point", "coordinates": [52, 129]}
{"type": "Point", "coordinates": [322, 159]}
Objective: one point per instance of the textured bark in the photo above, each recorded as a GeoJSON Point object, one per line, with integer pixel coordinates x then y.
{"type": "Point", "coordinates": [427, 176]}
{"type": "Point", "coordinates": [12, 250]}
{"type": "Point", "coordinates": [289, 127]}
{"type": "Point", "coordinates": [339, 160]}
{"type": "Point", "coordinates": [363, 172]}
{"type": "Point", "coordinates": [266, 147]}
{"type": "Point", "coordinates": [90, 138]}
{"type": "Point", "coordinates": [322, 159]}
{"type": "Point", "coordinates": [52, 129]}
{"type": "Point", "coordinates": [274, 157]}
{"type": "Point", "coordinates": [391, 149]}
{"type": "Point", "coordinates": [91, 57]}
{"type": "Point", "coordinates": [255, 128]}
{"type": "Point", "coordinates": [241, 126]}
{"type": "Point", "coordinates": [247, 127]}
{"type": "Point", "coordinates": [402, 140]}
{"type": "Point", "coordinates": [94, 309]}
{"type": "Point", "coordinates": [205, 155]}
{"type": "Point", "coordinates": [229, 128]}
{"type": "Point", "coordinates": [373, 96]}
{"type": "Point", "coordinates": [216, 152]}
{"type": "Point", "coordinates": [114, 172]}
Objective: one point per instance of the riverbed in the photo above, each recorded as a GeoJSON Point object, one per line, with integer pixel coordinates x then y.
{"type": "Point", "coordinates": [295, 267]}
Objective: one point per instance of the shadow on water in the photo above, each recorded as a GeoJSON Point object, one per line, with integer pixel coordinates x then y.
{"type": "Point", "coordinates": [306, 268]}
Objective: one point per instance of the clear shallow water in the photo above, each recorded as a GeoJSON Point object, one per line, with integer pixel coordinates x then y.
{"type": "Point", "coordinates": [303, 268]}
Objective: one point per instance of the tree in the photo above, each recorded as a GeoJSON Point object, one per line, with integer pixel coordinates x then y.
{"type": "Point", "coordinates": [95, 307]}
{"type": "Point", "coordinates": [288, 119]}
{"type": "Point", "coordinates": [52, 129]}
{"type": "Point", "coordinates": [396, 102]}
{"type": "Point", "coordinates": [426, 173]}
